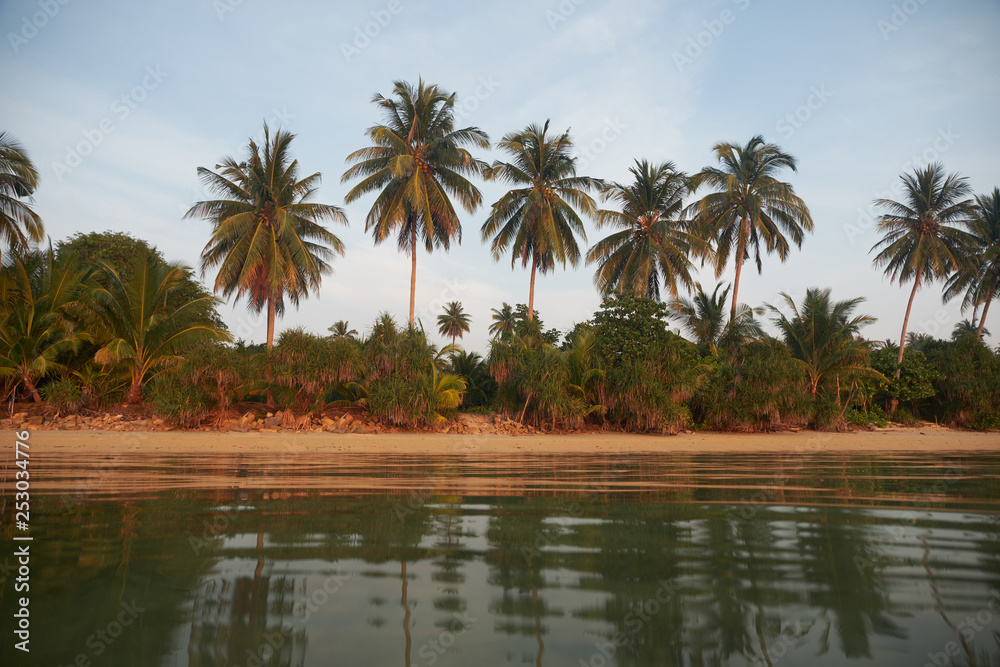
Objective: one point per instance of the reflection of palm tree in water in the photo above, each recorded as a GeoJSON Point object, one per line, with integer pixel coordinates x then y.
{"type": "Point", "coordinates": [939, 603]}
{"type": "Point", "coordinates": [406, 616]}
{"type": "Point", "coordinates": [538, 619]}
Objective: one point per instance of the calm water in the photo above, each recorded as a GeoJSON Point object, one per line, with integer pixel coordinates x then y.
{"type": "Point", "coordinates": [462, 560]}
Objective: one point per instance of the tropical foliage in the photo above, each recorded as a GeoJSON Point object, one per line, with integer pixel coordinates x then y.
{"type": "Point", "coordinates": [268, 241]}
{"type": "Point", "coordinates": [19, 224]}
{"type": "Point", "coordinates": [454, 323]}
{"type": "Point", "coordinates": [418, 162]}
{"type": "Point", "coordinates": [538, 222]}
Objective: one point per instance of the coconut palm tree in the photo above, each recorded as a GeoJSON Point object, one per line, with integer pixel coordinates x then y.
{"type": "Point", "coordinates": [267, 238]}
{"type": "Point", "coordinates": [144, 334]}
{"type": "Point", "coordinates": [418, 163]}
{"type": "Point", "coordinates": [704, 318]}
{"type": "Point", "coordinates": [538, 221]}
{"type": "Point", "coordinates": [40, 297]}
{"type": "Point", "coordinates": [650, 243]}
{"type": "Point", "coordinates": [504, 320]}
{"type": "Point", "coordinates": [980, 280]}
{"type": "Point", "coordinates": [19, 225]}
{"type": "Point", "coordinates": [823, 335]}
{"type": "Point", "coordinates": [341, 329]}
{"type": "Point", "coordinates": [454, 322]}
{"type": "Point", "coordinates": [921, 240]}
{"type": "Point", "coordinates": [749, 208]}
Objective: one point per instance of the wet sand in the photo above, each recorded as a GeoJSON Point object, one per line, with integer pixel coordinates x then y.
{"type": "Point", "coordinates": [924, 439]}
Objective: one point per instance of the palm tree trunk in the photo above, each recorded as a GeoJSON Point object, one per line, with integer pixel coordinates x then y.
{"type": "Point", "coordinates": [30, 386]}
{"type": "Point", "coordinates": [906, 321]}
{"type": "Point", "coordinates": [270, 322]}
{"type": "Point", "coordinates": [413, 269]}
{"type": "Point", "coordinates": [741, 248]}
{"type": "Point", "coordinates": [982, 318]}
{"type": "Point", "coordinates": [531, 292]}
{"type": "Point", "coordinates": [902, 340]}
{"type": "Point", "coordinates": [135, 391]}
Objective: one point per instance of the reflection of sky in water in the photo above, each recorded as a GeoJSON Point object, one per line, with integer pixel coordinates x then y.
{"type": "Point", "coordinates": [831, 568]}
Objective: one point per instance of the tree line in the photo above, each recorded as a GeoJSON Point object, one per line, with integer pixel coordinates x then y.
{"type": "Point", "coordinates": [270, 245]}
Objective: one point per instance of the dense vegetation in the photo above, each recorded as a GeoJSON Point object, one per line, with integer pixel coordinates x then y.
{"type": "Point", "coordinates": [104, 319]}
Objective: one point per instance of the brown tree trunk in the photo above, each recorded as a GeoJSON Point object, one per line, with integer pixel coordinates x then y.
{"type": "Point", "coordinates": [906, 321]}
{"type": "Point", "coordinates": [270, 322]}
{"type": "Point", "coordinates": [134, 395]}
{"type": "Point", "coordinates": [902, 340]}
{"type": "Point", "coordinates": [30, 386]}
{"type": "Point", "coordinates": [531, 292]}
{"type": "Point", "coordinates": [982, 318]}
{"type": "Point", "coordinates": [413, 269]}
{"type": "Point", "coordinates": [741, 248]}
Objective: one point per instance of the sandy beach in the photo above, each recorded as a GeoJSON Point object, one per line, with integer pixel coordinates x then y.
{"type": "Point", "coordinates": [924, 439]}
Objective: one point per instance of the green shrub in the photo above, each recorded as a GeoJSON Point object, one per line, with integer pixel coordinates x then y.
{"type": "Point", "coordinates": [64, 395]}
{"type": "Point", "coordinates": [874, 416]}
{"type": "Point", "coordinates": [758, 387]}
{"type": "Point", "coordinates": [967, 380]}
{"type": "Point", "coordinates": [986, 422]}
{"type": "Point", "coordinates": [178, 403]}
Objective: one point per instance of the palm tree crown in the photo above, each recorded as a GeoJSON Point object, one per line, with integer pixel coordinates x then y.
{"type": "Point", "coordinates": [418, 163]}
{"type": "Point", "coordinates": [19, 224]}
{"type": "Point", "coordinates": [704, 318]}
{"type": "Point", "coordinates": [538, 221]}
{"type": "Point", "coordinates": [267, 241]}
{"type": "Point", "coordinates": [650, 243]}
{"type": "Point", "coordinates": [454, 322]}
{"type": "Point", "coordinates": [749, 207]}
{"type": "Point", "coordinates": [504, 320]}
{"type": "Point", "coordinates": [823, 335]}
{"type": "Point", "coordinates": [921, 240]}
{"type": "Point", "coordinates": [980, 280]}
{"type": "Point", "coordinates": [341, 329]}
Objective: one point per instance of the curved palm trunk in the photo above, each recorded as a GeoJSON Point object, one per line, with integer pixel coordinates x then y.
{"type": "Point", "coordinates": [986, 309]}
{"type": "Point", "coordinates": [135, 391]}
{"type": "Point", "coordinates": [30, 386]}
{"type": "Point", "coordinates": [902, 339]}
{"type": "Point", "coordinates": [531, 292]}
{"type": "Point", "coordinates": [906, 321]}
{"type": "Point", "coordinates": [413, 269]}
{"type": "Point", "coordinates": [741, 248]}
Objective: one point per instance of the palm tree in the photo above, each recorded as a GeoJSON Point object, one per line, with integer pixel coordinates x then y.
{"type": "Point", "coordinates": [417, 164]}
{"type": "Point", "coordinates": [267, 241]}
{"type": "Point", "coordinates": [824, 336]}
{"type": "Point", "coordinates": [454, 322]}
{"type": "Point", "coordinates": [749, 207]}
{"type": "Point", "coordinates": [920, 239]}
{"type": "Point", "coordinates": [144, 334]}
{"type": "Point", "coordinates": [704, 318]}
{"type": "Point", "coordinates": [341, 329]}
{"type": "Point", "coordinates": [981, 279]}
{"type": "Point", "coordinates": [504, 320]}
{"type": "Point", "coordinates": [19, 225]}
{"type": "Point", "coordinates": [650, 243]}
{"type": "Point", "coordinates": [538, 221]}
{"type": "Point", "coordinates": [40, 297]}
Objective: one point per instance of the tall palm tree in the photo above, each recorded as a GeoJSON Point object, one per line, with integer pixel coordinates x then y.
{"type": "Point", "coordinates": [504, 320]}
{"type": "Point", "coordinates": [823, 335]}
{"type": "Point", "coordinates": [19, 225]}
{"type": "Point", "coordinates": [651, 242]}
{"type": "Point", "coordinates": [145, 334]}
{"type": "Point", "coordinates": [267, 238]}
{"type": "Point", "coordinates": [341, 329]}
{"type": "Point", "coordinates": [749, 206]}
{"type": "Point", "coordinates": [921, 240]}
{"type": "Point", "coordinates": [418, 163]}
{"type": "Point", "coordinates": [980, 280]}
{"type": "Point", "coordinates": [454, 322]}
{"type": "Point", "coordinates": [704, 318]}
{"type": "Point", "coordinates": [538, 221]}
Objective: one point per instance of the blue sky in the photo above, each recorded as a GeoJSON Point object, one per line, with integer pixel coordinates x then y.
{"type": "Point", "coordinates": [118, 103]}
